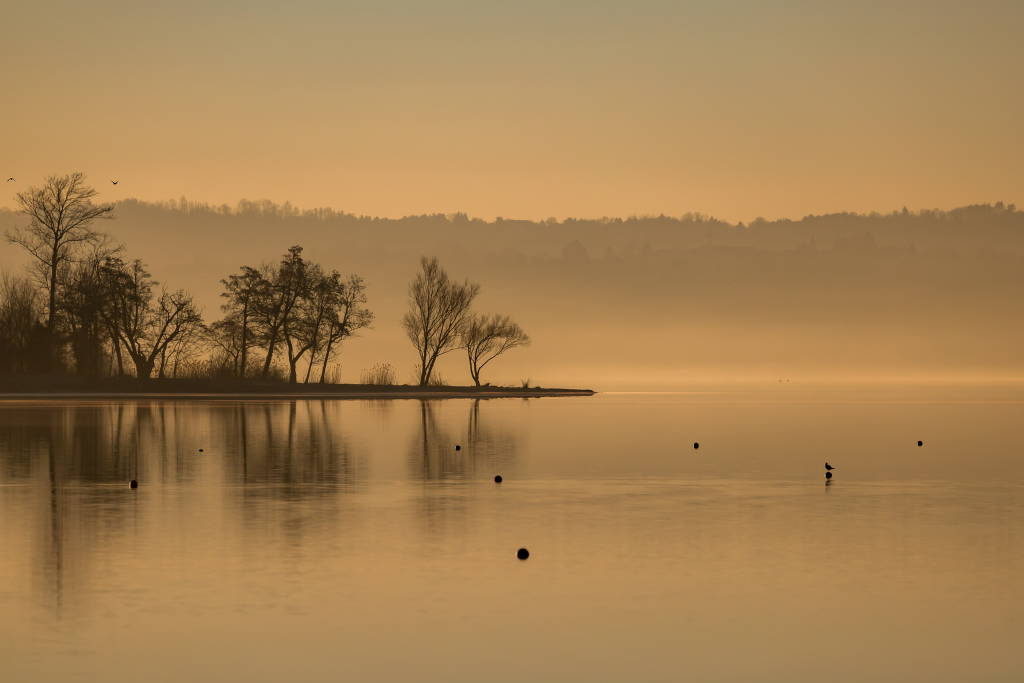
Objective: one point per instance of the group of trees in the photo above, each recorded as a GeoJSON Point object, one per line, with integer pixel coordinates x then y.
{"type": "Point", "coordinates": [86, 309]}
{"type": "Point", "coordinates": [82, 302]}
{"type": "Point", "coordinates": [295, 307]}
{"type": "Point", "coordinates": [114, 305]}
{"type": "Point", "coordinates": [440, 320]}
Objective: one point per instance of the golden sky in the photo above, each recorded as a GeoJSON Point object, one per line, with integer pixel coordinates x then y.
{"type": "Point", "coordinates": [524, 109]}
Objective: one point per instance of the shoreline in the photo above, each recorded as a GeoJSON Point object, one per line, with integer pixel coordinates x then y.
{"type": "Point", "coordinates": [258, 396]}
{"type": "Point", "coordinates": [187, 389]}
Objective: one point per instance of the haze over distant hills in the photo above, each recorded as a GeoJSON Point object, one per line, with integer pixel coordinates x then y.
{"type": "Point", "coordinates": [645, 302]}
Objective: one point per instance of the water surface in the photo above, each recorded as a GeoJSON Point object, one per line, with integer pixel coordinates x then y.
{"type": "Point", "coordinates": [331, 540]}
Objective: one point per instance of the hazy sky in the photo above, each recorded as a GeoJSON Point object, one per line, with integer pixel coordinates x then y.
{"type": "Point", "coordinates": [523, 109]}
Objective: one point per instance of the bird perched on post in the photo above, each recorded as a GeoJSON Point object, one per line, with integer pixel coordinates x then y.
{"type": "Point", "coordinates": [829, 467]}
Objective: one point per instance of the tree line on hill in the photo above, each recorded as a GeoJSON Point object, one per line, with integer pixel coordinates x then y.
{"type": "Point", "coordinates": [85, 308]}
{"type": "Point", "coordinates": [981, 226]}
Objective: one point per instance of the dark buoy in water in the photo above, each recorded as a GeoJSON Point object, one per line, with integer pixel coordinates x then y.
{"type": "Point", "coordinates": [458, 447]}
{"type": "Point", "coordinates": [497, 479]}
{"type": "Point", "coordinates": [522, 553]}
{"type": "Point", "coordinates": [696, 445]}
{"type": "Point", "coordinates": [920, 443]}
{"type": "Point", "coordinates": [133, 484]}
{"type": "Point", "coordinates": [828, 475]}
{"type": "Point", "coordinates": [200, 450]}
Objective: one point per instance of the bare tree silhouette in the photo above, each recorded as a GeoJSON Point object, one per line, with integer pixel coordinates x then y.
{"type": "Point", "coordinates": [301, 327]}
{"type": "Point", "coordinates": [286, 285]}
{"type": "Point", "coordinates": [343, 315]}
{"type": "Point", "coordinates": [19, 320]}
{"type": "Point", "coordinates": [243, 292]}
{"type": "Point", "coordinates": [487, 337]}
{"type": "Point", "coordinates": [61, 212]}
{"type": "Point", "coordinates": [85, 319]}
{"type": "Point", "coordinates": [147, 326]}
{"type": "Point", "coordinates": [438, 308]}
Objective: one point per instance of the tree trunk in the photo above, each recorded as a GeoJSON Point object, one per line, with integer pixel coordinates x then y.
{"type": "Point", "coordinates": [272, 345]}
{"type": "Point", "coordinates": [426, 367]}
{"type": "Point", "coordinates": [245, 341]}
{"type": "Point", "coordinates": [428, 370]}
{"type": "Point", "coordinates": [53, 286]}
{"type": "Point", "coordinates": [327, 357]}
{"type": "Point", "coordinates": [143, 367]}
{"type": "Point", "coordinates": [292, 377]}
{"type": "Point", "coordinates": [474, 371]}
{"type": "Point", "coordinates": [116, 343]}
{"type": "Point", "coordinates": [309, 368]}
{"type": "Point", "coordinates": [422, 350]}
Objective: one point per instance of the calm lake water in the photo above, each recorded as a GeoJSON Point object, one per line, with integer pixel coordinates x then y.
{"type": "Point", "coordinates": [348, 540]}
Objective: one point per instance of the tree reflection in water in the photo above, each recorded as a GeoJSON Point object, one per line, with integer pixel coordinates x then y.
{"type": "Point", "coordinates": [443, 500]}
{"type": "Point", "coordinates": [268, 464]}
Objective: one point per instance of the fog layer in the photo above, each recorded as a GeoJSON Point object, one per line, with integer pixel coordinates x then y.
{"type": "Point", "coordinates": [645, 303]}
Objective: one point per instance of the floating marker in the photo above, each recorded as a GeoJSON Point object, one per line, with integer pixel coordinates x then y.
{"type": "Point", "coordinates": [497, 479]}
{"type": "Point", "coordinates": [920, 443]}
{"type": "Point", "coordinates": [200, 450]}
{"type": "Point", "coordinates": [458, 447]}
{"type": "Point", "coordinates": [696, 445]}
{"type": "Point", "coordinates": [133, 484]}
{"type": "Point", "coordinates": [522, 553]}
{"type": "Point", "coordinates": [828, 475]}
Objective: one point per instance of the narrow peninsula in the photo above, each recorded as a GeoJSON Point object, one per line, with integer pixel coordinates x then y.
{"type": "Point", "coordinates": [22, 386]}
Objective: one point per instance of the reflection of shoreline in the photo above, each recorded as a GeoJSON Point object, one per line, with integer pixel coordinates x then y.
{"type": "Point", "coordinates": [28, 386]}
{"type": "Point", "coordinates": [341, 394]}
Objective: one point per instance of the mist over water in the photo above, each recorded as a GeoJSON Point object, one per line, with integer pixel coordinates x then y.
{"type": "Point", "coordinates": [319, 540]}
